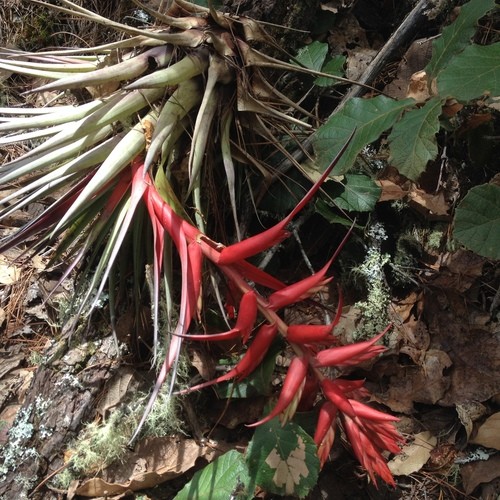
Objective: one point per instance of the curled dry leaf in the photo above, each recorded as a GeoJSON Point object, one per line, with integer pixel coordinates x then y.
{"type": "Point", "coordinates": [488, 434]}
{"type": "Point", "coordinates": [468, 412]}
{"type": "Point", "coordinates": [414, 455]}
{"type": "Point", "coordinates": [155, 461]}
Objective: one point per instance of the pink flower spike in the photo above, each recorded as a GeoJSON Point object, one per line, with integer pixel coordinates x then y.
{"type": "Point", "coordinates": [309, 334]}
{"type": "Point", "coordinates": [247, 315]}
{"type": "Point", "coordinates": [353, 354]}
{"type": "Point", "coordinates": [366, 452]}
{"type": "Point", "coordinates": [337, 397]}
{"type": "Point", "coordinates": [383, 442]}
{"type": "Point", "coordinates": [274, 235]}
{"type": "Point", "coordinates": [292, 388]}
{"type": "Point", "coordinates": [257, 275]}
{"type": "Point", "coordinates": [299, 290]}
{"type": "Point", "coordinates": [367, 412]}
{"type": "Point", "coordinates": [253, 245]}
{"type": "Point", "coordinates": [326, 418]}
{"type": "Point", "coordinates": [250, 360]}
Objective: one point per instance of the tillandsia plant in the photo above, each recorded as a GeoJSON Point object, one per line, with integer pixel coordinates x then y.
{"type": "Point", "coordinates": [169, 104]}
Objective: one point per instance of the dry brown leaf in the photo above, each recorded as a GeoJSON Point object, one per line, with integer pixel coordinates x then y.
{"type": "Point", "coordinates": [468, 412]}
{"type": "Point", "coordinates": [116, 388]}
{"type": "Point", "coordinates": [418, 88]}
{"type": "Point", "coordinates": [9, 273]}
{"type": "Point", "coordinates": [415, 60]}
{"type": "Point", "coordinates": [413, 456]}
{"type": "Point", "coordinates": [488, 434]}
{"type": "Point", "coordinates": [426, 384]}
{"type": "Point", "coordinates": [482, 471]}
{"type": "Point", "coordinates": [155, 461]}
{"type": "Point", "coordinates": [431, 205]}
{"type": "Point", "coordinates": [390, 190]}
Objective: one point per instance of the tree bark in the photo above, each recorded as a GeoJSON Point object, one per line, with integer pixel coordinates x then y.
{"type": "Point", "coordinates": [61, 397]}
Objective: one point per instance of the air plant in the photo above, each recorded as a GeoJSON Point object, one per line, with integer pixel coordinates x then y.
{"type": "Point", "coordinates": [177, 96]}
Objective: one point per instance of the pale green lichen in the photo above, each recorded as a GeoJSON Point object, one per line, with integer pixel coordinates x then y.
{"type": "Point", "coordinates": [15, 452]}
{"type": "Point", "coordinates": [374, 308]}
{"type": "Point", "coordinates": [102, 444]}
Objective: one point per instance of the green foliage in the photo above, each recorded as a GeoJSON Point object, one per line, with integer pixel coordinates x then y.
{"type": "Point", "coordinates": [413, 139]}
{"type": "Point", "coordinates": [283, 460]}
{"type": "Point", "coordinates": [313, 56]}
{"type": "Point", "coordinates": [458, 69]}
{"type": "Point", "coordinates": [477, 221]}
{"type": "Point", "coordinates": [356, 193]}
{"type": "Point", "coordinates": [369, 117]}
{"type": "Point", "coordinates": [472, 73]}
{"type": "Point", "coordinates": [333, 66]}
{"type": "Point", "coordinates": [226, 477]}
{"type": "Point", "coordinates": [457, 36]}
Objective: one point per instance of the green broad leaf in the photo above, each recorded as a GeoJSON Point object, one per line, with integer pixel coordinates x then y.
{"type": "Point", "coordinates": [412, 141]}
{"type": "Point", "coordinates": [283, 460]}
{"type": "Point", "coordinates": [477, 221]}
{"type": "Point", "coordinates": [227, 477]}
{"type": "Point", "coordinates": [331, 215]}
{"type": "Point", "coordinates": [457, 36]}
{"type": "Point", "coordinates": [335, 67]}
{"type": "Point", "coordinates": [473, 73]}
{"type": "Point", "coordinates": [356, 193]}
{"type": "Point", "coordinates": [313, 56]}
{"type": "Point", "coordinates": [258, 383]}
{"type": "Point", "coordinates": [369, 117]}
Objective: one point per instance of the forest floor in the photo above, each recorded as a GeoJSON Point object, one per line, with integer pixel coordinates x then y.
{"type": "Point", "coordinates": [440, 375]}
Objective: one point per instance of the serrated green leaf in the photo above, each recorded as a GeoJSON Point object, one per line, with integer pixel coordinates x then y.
{"type": "Point", "coordinates": [335, 67]}
{"type": "Point", "coordinates": [313, 56]}
{"type": "Point", "coordinates": [457, 36]}
{"type": "Point", "coordinates": [412, 141]}
{"type": "Point", "coordinates": [477, 221]}
{"type": "Point", "coordinates": [227, 477]}
{"type": "Point", "coordinates": [369, 117]}
{"type": "Point", "coordinates": [473, 73]}
{"type": "Point", "coordinates": [283, 460]}
{"type": "Point", "coordinates": [356, 193]}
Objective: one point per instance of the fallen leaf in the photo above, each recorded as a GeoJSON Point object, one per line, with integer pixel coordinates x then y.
{"type": "Point", "coordinates": [390, 190]}
{"type": "Point", "coordinates": [9, 273]}
{"type": "Point", "coordinates": [413, 456]}
{"type": "Point", "coordinates": [411, 384]}
{"type": "Point", "coordinates": [155, 461]}
{"type": "Point", "coordinates": [488, 434]}
{"type": "Point", "coordinates": [116, 389]}
{"type": "Point", "coordinates": [431, 205]}
{"type": "Point", "coordinates": [480, 472]}
{"type": "Point", "coordinates": [468, 412]}
{"type": "Point", "coordinates": [415, 59]}
{"type": "Point", "coordinates": [418, 88]}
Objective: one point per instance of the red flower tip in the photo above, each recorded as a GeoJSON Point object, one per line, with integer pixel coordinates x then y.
{"type": "Point", "coordinates": [291, 391]}
{"type": "Point", "coordinates": [349, 355]}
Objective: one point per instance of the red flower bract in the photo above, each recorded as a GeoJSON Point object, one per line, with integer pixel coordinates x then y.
{"type": "Point", "coordinates": [370, 431]}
